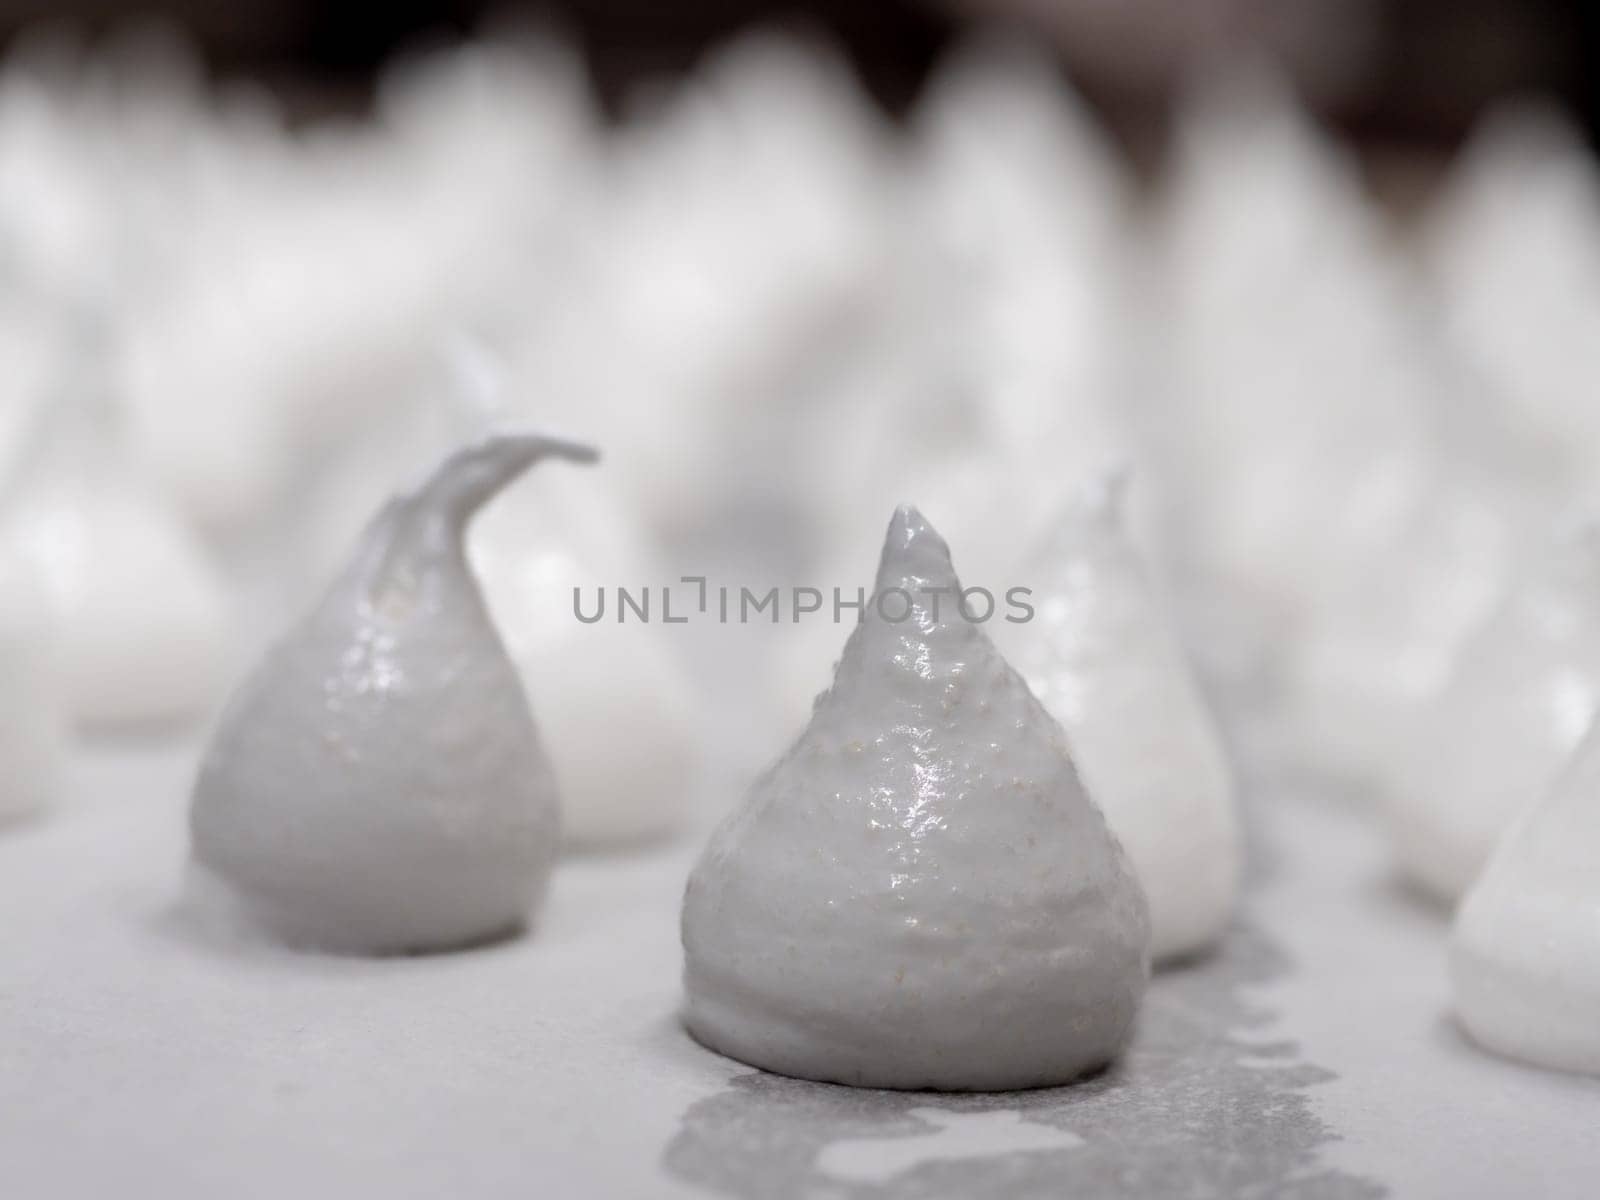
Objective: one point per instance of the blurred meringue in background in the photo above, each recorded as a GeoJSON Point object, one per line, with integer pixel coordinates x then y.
{"type": "Point", "coordinates": [1524, 691]}
{"type": "Point", "coordinates": [141, 613]}
{"type": "Point", "coordinates": [1104, 658]}
{"type": "Point", "coordinates": [780, 313]}
{"type": "Point", "coordinates": [33, 710]}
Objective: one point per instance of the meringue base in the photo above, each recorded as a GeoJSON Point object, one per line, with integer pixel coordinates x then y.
{"type": "Point", "coordinates": [226, 912]}
{"type": "Point", "coordinates": [983, 1044]}
{"type": "Point", "coordinates": [1519, 996]}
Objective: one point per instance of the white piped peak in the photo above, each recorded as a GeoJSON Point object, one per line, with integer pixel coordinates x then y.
{"type": "Point", "coordinates": [621, 718]}
{"type": "Point", "coordinates": [1103, 657]}
{"type": "Point", "coordinates": [1525, 955]}
{"type": "Point", "coordinates": [1524, 691]}
{"type": "Point", "coordinates": [377, 785]}
{"type": "Point", "coordinates": [919, 894]}
{"type": "Point", "coordinates": [141, 612]}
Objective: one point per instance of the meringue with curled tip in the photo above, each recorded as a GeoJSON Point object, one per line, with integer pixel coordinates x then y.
{"type": "Point", "coordinates": [1105, 660]}
{"type": "Point", "coordinates": [920, 893]}
{"type": "Point", "coordinates": [551, 543]}
{"type": "Point", "coordinates": [377, 785]}
{"type": "Point", "coordinates": [1525, 950]}
{"type": "Point", "coordinates": [1523, 692]}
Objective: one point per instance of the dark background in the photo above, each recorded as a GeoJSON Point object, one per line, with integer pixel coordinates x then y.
{"type": "Point", "coordinates": [1426, 67]}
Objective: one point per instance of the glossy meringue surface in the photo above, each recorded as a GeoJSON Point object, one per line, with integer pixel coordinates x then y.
{"type": "Point", "coordinates": [1524, 691]}
{"type": "Point", "coordinates": [920, 893]}
{"type": "Point", "coordinates": [1103, 658]}
{"type": "Point", "coordinates": [377, 785]}
{"type": "Point", "coordinates": [1525, 953]}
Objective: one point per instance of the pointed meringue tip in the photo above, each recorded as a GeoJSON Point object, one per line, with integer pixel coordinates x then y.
{"type": "Point", "coordinates": [912, 546]}
{"type": "Point", "coordinates": [561, 447]}
{"type": "Point", "coordinates": [908, 527]}
{"type": "Point", "coordinates": [908, 516]}
{"type": "Point", "coordinates": [468, 476]}
{"type": "Point", "coordinates": [515, 441]}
